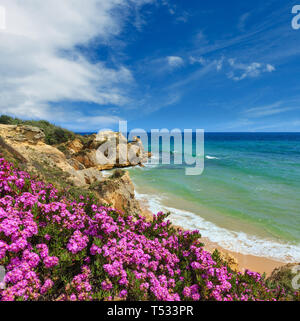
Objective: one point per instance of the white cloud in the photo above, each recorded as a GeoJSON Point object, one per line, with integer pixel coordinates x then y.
{"type": "Point", "coordinates": [242, 71]}
{"type": "Point", "coordinates": [200, 60]}
{"type": "Point", "coordinates": [173, 9]}
{"type": "Point", "coordinates": [270, 68]}
{"type": "Point", "coordinates": [175, 61]}
{"type": "Point", "coordinates": [242, 21]}
{"type": "Point", "coordinates": [40, 63]}
{"type": "Point", "coordinates": [262, 126]}
{"type": "Point", "coordinates": [200, 39]}
{"type": "Point", "coordinates": [268, 110]}
{"type": "Point", "coordinates": [184, 17]}
{"type": "Point", "coordinates": [94, 122]}
{"type": "Point", "coordinates": [219, 63]}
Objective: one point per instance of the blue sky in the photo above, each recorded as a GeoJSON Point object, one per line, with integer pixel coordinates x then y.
{"type": "Point", "coordinates": [217, 65]}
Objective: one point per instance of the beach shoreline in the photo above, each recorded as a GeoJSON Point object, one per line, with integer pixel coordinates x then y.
{"type": "Point", "coordinates": [245, 262]}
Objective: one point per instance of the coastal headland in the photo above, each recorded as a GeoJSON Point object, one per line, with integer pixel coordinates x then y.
{"type": "Point", "coordinates": [73, 164]}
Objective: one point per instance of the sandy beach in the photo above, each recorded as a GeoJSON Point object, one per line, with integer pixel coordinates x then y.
{"type": "Point", "coordinates": [250, 262]}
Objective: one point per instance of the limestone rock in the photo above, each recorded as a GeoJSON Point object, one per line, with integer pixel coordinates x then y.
{"type": "Point", "coordinates": [22, 133]}
{"type": "Point", "coordinates": [229, 259]}
{"type": "Point", "coordinates": [75, 146]}
{"type": "Point", "coordinates": [106, 136]}
{"type": "Point", "coordinates": [108, 150]}
{"type": "Point", "coordinates": [136, 152]}
{"type": "Point", "coordinates": [86, 176]}
{"type": "Point", "coordinates": [87, 158]}
{"type": "Point", "coordinates": [75, 164]}
{"type": "Point", "coordinates": [287, 272]}
{"type": "Point", "coordinates": [40, 158]}
{"type": "Point", "coordinates": [118, 191]}
{"type": "Point", "coordinates": [78, 164]}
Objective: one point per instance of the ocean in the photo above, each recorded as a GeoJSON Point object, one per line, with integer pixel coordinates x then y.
{"type": "Point", "coordinates": [247, 199]}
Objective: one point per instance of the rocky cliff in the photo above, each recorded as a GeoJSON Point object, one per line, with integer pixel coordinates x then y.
{"type": "Point", "coordinates": [76, 162]}
{"type": "Point", "coordinates": [118, 191]}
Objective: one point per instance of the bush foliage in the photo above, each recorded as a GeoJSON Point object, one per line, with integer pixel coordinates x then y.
{"type": "Point", "coordinates": [53, 134]}
{"type": "Point", "coordinates": [56, 248]}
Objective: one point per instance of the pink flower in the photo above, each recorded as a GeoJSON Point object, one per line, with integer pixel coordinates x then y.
{"type": "Point", "coordinates": [73, 297]}
{"type": "Point", "coordinates": [51, 261]}
{"type": "Point", "coordinates": [47, 237]}
{"type": "Point", "coordinates": [106, 285]}
{"type": "Point", "coordinates": [123, 294]}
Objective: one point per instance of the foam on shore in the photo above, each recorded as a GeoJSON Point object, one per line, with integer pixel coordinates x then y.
{"type": "Point", "coordinates": [239, 242]}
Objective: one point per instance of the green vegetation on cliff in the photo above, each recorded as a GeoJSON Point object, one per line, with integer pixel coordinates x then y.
{"type": "Point", "coordinates": [53, 134]}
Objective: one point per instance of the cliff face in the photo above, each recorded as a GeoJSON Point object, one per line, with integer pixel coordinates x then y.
{"type": "Point", "coordinates": [42, 159]}
{"type": "Point", "coordinates": [118, 191]}
{"type": "Point", "coordinates": [74, 163]}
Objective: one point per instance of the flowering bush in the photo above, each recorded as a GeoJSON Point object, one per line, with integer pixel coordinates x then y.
{"type": "Point", "coordinates": [54, 248]}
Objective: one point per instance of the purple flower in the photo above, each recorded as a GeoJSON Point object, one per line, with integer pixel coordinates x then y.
{"type": "Point", "coordinates": [51, 261]}
{"type": "Point", "coordinates": [123, 294]}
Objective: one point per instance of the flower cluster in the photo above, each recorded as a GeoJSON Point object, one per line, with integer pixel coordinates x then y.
{"type": "Point", "coordinates": [54, 248]}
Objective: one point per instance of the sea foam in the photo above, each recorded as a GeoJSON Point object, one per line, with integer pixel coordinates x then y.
{"type": "Point", "coordinates": [239, 242]}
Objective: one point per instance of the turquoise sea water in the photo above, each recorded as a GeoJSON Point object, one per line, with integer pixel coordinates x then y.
{"type": "Point", "coordinates": [247, 199]}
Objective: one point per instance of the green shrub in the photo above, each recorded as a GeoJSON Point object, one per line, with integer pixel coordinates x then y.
{"type": "Point", "coordinates": [283, 277]}
{"type": "Point", "coordinates": [4, 119]}
{"type": "Point", "coordinates": [53, 134]}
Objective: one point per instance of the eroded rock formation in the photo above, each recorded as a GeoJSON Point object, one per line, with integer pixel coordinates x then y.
{"type": "Point", "coordinates": [118, 191]}
{"type": "Point", "coordinates": [107, 150]}
{"type": "Point", "coordinates": [77, 162]}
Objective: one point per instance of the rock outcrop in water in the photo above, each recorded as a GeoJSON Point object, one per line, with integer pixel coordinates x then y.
{"type": "Point", "coordinates": [124, 153]}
